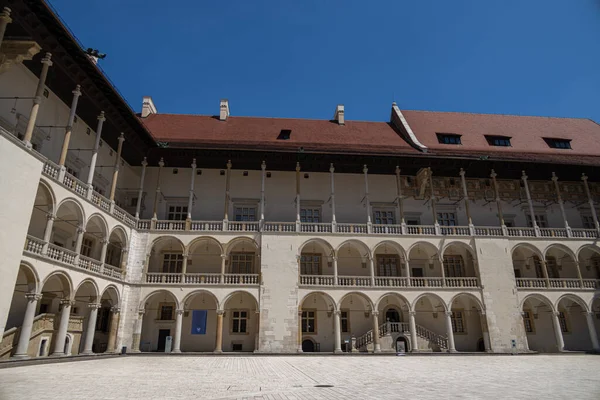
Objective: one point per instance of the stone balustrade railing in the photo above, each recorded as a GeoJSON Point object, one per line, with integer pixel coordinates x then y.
{"type": "Point", "coordinates": [202, 279]}
{"type": "Point", "coordinates": [389, 282]}
{"type": "Point", "coordinates": [558, 283]}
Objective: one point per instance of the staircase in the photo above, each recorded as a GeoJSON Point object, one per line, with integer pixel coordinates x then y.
{"type": "Point", "coordinates": [430, 341]}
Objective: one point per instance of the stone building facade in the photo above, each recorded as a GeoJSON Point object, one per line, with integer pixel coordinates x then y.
{"type": "Point", "coordinates": [157, 232]}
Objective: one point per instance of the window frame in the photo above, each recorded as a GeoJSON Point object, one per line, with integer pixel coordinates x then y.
{"type": "Point", "coordinates": [175, 262]}
{"type": "Point", "coordinates": [305, 218]}
{"type": "Point", "coordinates": [541, 219]}
{"type": "Point", "coordinates": [312, 263]}
{"type": "Point", "coordinates": [379, 258]}
{"type": "Point", "coordinates": [305, 317]}
{"type": "Point", "coordinates": [240, 319]}
{"type": "Point", "coordinates": [249, 257]}
{"type": "Point", "coordinates": [390, 214]}
{"type": "Point", "coordinates": [161, 307]}
{"type": "Point", "coordinates": [454, 263]}
{"type": "Point", "coordinates": [440, 221]}
{"type": "Point", "coordinates": [243, 207]}
{"type": "Point", "coordinates": [559, 143]}
{"type": "Point", "coordinates": [458, 315]}
{"type": "Point", "coordinates": [498, 140]}
{"type": "Point", "coordinates": [449, 138]}
{"type": "Point", "coordinates": [345, 319]}
{"type": "Point", "coordinates": [176, 215]}
{"type": "Point", "coordinates": [528, 317]}
{"type": "Point", "coordinates": [563, 321]}
{"type": "Point", "coordinates": [87, 246]}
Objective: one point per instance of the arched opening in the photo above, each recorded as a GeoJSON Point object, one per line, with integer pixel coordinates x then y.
{"type": "Point", "coordinates": [43, 207]}
{"type": "Point", "coordinates": [527, 266]}
{"type": "Point", "coordinates": [316, 259]}
{"type": "Point", "coordinates": [468, 324]}
{"type": "Point", "coordinates": [539, 326]}
{"type": "Point", "coordinates": [390, 263]}
{"type": "Point", "coordinates": [425, 267]}
{"type": "Point", "coordinates": [53, 305]}
{"type": "Point", "coordinates": [316, 321]}
{"type": "Point", "coordinates": [242, 263]}
{"type": "Point", "coordinates": [589, 264]}
{"type": "Point", "coordinates": [573, 324]}
{"type": "Point", "coordinates": [402, 345]}
{"type": "Point", "coordinates": [308, 346]}
{"type": "Point", "coordinates": [561, 265]}
{"type": "Point", "coordinates": [117, 243]}
{"type": "Point", "coordinates": [393, 310]}
{"type": "Point", "coordinates": [430, 323]}
{"type": "Point", "coordinates": [353, 264]}
{"type": "Point", "coordinates": [204, 260]}
{"type": "Point", "coordinates": [199, 325]}
{"type": "Point", "coordinates": [460, 267]}
{"type": "Point", "coordinates": [86, 294]}
{"type": "Point", "coordinates": [158, 322]}
{"type": "Point", "coordinates": [94, 238]}
{"type": "Point", "coordinates": [106, 321]}
{"type": "Point", "coordinates": [69, 220]}
{"type": "Point", "coordinates": [240, 322]}
{"type": "Point", "coordinates": [393, 315]}
{"type": "Point", "coordinates": [165, 262]}
{"type": "Point", "coordinates": [355, 320]}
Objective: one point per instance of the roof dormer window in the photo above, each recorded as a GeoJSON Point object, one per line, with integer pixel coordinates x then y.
{"type": "Point", "coordinates": [285, 134]}
{"type": "Point", "coordinates": [558, 143]}
{"type": "Point", "coordinates": [502, 141]}
{"type": "Point", "coordinates": [448, 138]}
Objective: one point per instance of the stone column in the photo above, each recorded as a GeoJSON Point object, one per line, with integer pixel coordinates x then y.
{"type": "Point", "coordinates": [4, 21]}
{"type": "Point", "coordinates": [177, 337]}
{"type": "Point", "coordinates": [104, 242]}
{"type": "Point", "coordinates": [584, 178]}
{"type": "Point", "coordinates": [412, 325]}
{"type": "Point", "coordinates": [123, 263]}
{"type": "Point", "coordinates": [263, 173]}
{"type": "Point", "coordinates": [376, 339]}
{"type": "Point", "coordinates": [372, 271]}
{"type": "Point", "coordinates": [219, 338]}
{"type": "Point", "coordinates": [138, 206]}
{"type": "Point", "coordinates": [91, 328]}
{"type": "Point", "coordinates": [436, 223]}
{"type": "Point", "coordinates": [530, 202]}
{"type": "Point", "coordinates": [451, 347]}
{"type": "Point", "coordinates": [333, 221]}
{"type": "Point", "coordinates": [367, 200]}
{"type": "Point", "coordinates": [90, 179]}
{"type": "Point", "coordinates": [441, 261]}
{"type": "Point", "coordinates": [561, 204]}
{"type": "Point", "coordinates": [69, 127]}
{"type": "Point", "coordinates": [227, 197]}
{"type": "Point", "coordinates": [63, 326]}
{"type": "Point", "coordinates": [114, 326]}
{"type": "Point", "coordinates": [407, 266]}
{"type": "Point", "coordinates": [400, 200]}
{"type": "Point", "coordinates": [184, 266]}
{"type": "Point", "coordinates": [578, 268]}
{"type": "Point", "coordinates": [466, 199]}
{"type": "Point", "coordinates": [188, 219]}
{"type": "Point", "coordinates": [27, 326]}
{"type": "Point", "coordinates": [484, 331]}
{"type": "Point", "coordinates": [137, 331]}
{"type": "Point", "coordinates": [223, 267]}
{"type": "Point", "coordinates": [335, 271]}
{"type": "Point", "coordinates": [46, 63]}
{"type": "Point", "coordinates": [79, 242]}
{"type": "Point", "coordinates": [498, 204]}
{"type": "Point", "coordinates": [560, 343]}
{"type": "Point", "coordinates": [523, 314]}
{"type": "Point", "coordinates": [297, 197]}
{"type": "Point", "coordinates": [48, 232]}
{"type": "Point", "coordinates": [337, 332]}
{"type": "Point", "coordinates": [545, 272]}
{"type": "Point", "coordinates": [161, 164]}
{"type": "Point", "coordinates": [300, 331]}
{"type": "Point", "coordinates": [589, 317]}
{"type": "Point", "coordinates": [117, 167]}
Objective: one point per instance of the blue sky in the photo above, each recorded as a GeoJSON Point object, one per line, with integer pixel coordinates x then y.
{"type": "Point", "coordinates": [284, 58]}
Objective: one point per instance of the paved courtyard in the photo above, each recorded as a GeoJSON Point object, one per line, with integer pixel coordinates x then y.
{"type": "Point", "coordinates": [288, 377]}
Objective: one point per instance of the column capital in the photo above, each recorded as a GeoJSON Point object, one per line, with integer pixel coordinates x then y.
{"type": "Point", "coordinates": [33, 296]}
{"type": "Point", "coordinates": [194, 163]}
{"type": "Point", "coordinates": [331, 168]}
{"type": "Point", "coordinates": [365, 169]}
{"type": "Point", "coordinates": [67, 302]}
{"type": "Point", "coordinates": [554, 177]}
{"type": "Point", "coordinates": [50, 217]}
{"type": "Point", "coordinates": [80, 229]}
{"type": "Point", "coordinates": [144, 162]}
{"type": "Point", "coordinates": [94, 306]}
{"type": "Point", "coordinates": [141, 312]}
{"type": "Point", "coordinates": [524, 176]}
{"type": "Point", "coordinates": [101, 117]}
{"type": "Point", "coordinates": [104, 241]}
{"type": "Point", "coordinates": [121, 137]}
{"type": "Point", "coordinates": [229, 165]}
{"type": "Point", "coordinates": [589, 313]}
{"type": "Point", "coordinates": [185, 254]}
{"type": "Point", "coordinates": [297, 167]}
{"type": "Point", "coordinates": [220, 312]}
{"type": "Point", "coordinates": [448, 313]}
{"type": "Point", "coordinates": [161, 163]}
{"type": "Point", "coordinates": [256, 312]}
{"type": "Point", "coordinates": [47, 59]}
{"type": "Point", "coordinates": [263, 165]}
{"type": "Point", "coordinates": [299, 313]}
{"type": "Point", "coordinates": [412, 313]}
{"type": "Point", "coordinates": [224, 256]}
{"type": "Point", "coordinates": [493, 174]}
{"type": "Point", "coordinates": [179, 311]}
{"type": "Point", "coordinates": [584, 177]}
{"type": "Point", "coordinates": [115, 310]}
{"type": "Point", "coordinates": [461, 173]}
{"type": "Point", "coordinates": [398, 170]}
{"type": "Point", "coordinates": [375, 313]}
{"type": "Point", "coordinates": [556, 313]}
{"type": "Point", "coordinates": [481, 312]}
{"type": "Point", "coordinates": [77, 91]}
{"type": "Point", "coordinates": [5, 15]}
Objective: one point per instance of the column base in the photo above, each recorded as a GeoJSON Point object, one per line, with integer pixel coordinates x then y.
{"type": "Point", "coordinates": [61, 354]}
{"type": "Point", "coordinates": [300, 350]}
{"type": "Point", "coordinates": [21, 357]}
{"type": "Point", "coordinates": [218, 352]}
{"type": "Point", "coordinates": [451, 351]}
{"type": "Point", "coordinates": [87, 353]}
{"type": "Point", "coordinates": [337, 351]}
{"type": "Point", "coordinates": [176, 351]}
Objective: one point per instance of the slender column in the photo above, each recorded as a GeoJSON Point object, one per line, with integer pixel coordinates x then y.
{"type": "Point", "coordinates": [335, 270]}
{"type": "Point", "coordinates": [436, 224]}
{"type": "Point", "coordinates": [48, 232]}
{"type": "Point", "coordinates": [188, 220]}
{"type": "Point", "coordinates": [61, 335]}
{"type": "Point", "coordinates": [117, 167]}
{"type": "Point", "coordinates": [79, 242]}
{"type": "Point", "coordinates": [177, 338]}
{"type": "Point", "coordinates": [407, 267]}
{"type": "Point", "coordinates": [27, 326]}
{"type": "Point", "coordinates": [91, 328]}
{"type": "Point", "coordinates": [367, 201]}
{"type": "Point", "coordinates": [485, 332]}
{"type": "Point", "coordinates": [412, 326]}
{"type": "Point", "coordinates": [333, 221]}
{"type": "Point", "coordinates": [561, 204]}
{"type": "Point", "coordinates": [227, 197]}
{"type": "Point", "coordinates": [263, 174]}
{"type": "Point", "coordinates": [451, 347]}
{"type": "Point", "coordinates": [219, 338]}
{"type": "Point", "coordinates": [523, 314]}
{"type": "Point", "coordinates": [297, 197]}
{"type": "Point", "coordinates": [400, 200]}
{"type": "Point", "coordinates": [376, 339]}
{"type": "Point", "coordinates": [257, 331]}
{"type": "Point", "coordinates": [337, 332]}
{"type": "Point", "coordinates": [441, 261]}
{"type": "Point", "coordinates": [138, 206]}
{"type": "Point", "coordinates": [589, 317]}
{"type": "Point", "coordinates": [584, 178]}
{"type": "Point", "coordinates": [114, 326]}
{"type": "Point", "coordinates": [4, 20]}
{"type": "Point", "coordinates": [69, 128]}
{"type": "Point", "coordinates": [560, 343]}
{"type": "Point", "coordinates": [161, 164]}
{"type": "Point", "coordinates": [545, 272]}
{"type": "Point", "coordinates": [223, 267]}
{"type": "Point", "coordinates": [90, 179]}
{"type": "Point", "coordinates": [530, 202]}
{"type": "Point", "coordinates": [300, 331]}
{"type": "Point", "coordinates": [372, 271]}
{"type": "Point", "coordinates": [104, 243]}
{"type": "Point", "coordinates": [498, 204]}
{"type": "Point", "coordinates": [137, 331]}
{"type": "Point", "coordinates": [46, 63]}
{"type": "Point", "coordinates": [578, 269]}
{"type": "Point", "coordinates": [184, 267]}
{"type": "Point", "coordinates": [466, 199]}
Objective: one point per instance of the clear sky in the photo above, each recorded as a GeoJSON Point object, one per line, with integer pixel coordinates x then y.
{"type": "Point", "coordinates": [299, 58]}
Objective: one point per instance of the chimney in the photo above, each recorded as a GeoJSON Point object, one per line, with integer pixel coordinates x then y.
{"type": "Point", "coordinates": [224, 110]}
{"type": "Point", "coordinates": [148, 107]}
{"type": "Point", "coordinates": [339, 114]}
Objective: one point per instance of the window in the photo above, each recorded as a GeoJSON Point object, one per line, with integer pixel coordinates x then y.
{"type": "Point", "coordinates": [446, 218]}
{"type": "Point", "coordinates": [538, 267]}
{"type": "Point", "coordinates": [310, 264]}
{"type": "Point", "coordinates": [552, 267]}
{"type": "Point", "coordinates": [177, 213]}
{"type": "Point", "coordinates": [558, 143]}
{"type": "Point", "coordinates": [165, 311]}
{"type": "Point", "coordinates": [448, 138]}
{"type": "Point", "coordinates": [454, 267]}
{"type": "Point", "coordinates": [562, 320]}
{"type": "Point", "coordinates": [387, 265]}
{"type": "Point", "coordinates": [86, 247]}
{"type": "Point", "coordinates": [412, 220]}
{"type": "Point", "coordinates": [310, 215]}
{"type": "Point", "coordinates": [498, 140]}
{"type": "Point", "coordinates": [242, 263]}
{"type": "Point", "coordinates": [245, 213]}
{"type": "Point", "coordinates": [309, 321]}
{"type": "Point", "coordinates": [284, 134]}
{"type": "Point", "coordinates": [345, 321]}
{"type": "Point", "coordinates": [239, 321]}
{"type": "Point", "coordinates": [528, 321]}
{"type": "Point", "coordinates": [72, 171]}
{"type": "Point", "coordinates": [588, 222]}
{"type": "Point", "coordinates": [458, 324]}
{"type": "Point", "coordinates": [540, 220]}
{"type": "Point", "coordinates": [133, 202]}
{"type": "Point", "coordinates": [172, 263]}
{"type": "Point", "coordinates": [383, 217]}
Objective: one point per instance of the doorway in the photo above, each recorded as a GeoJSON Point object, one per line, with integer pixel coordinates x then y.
{"type": "Point", "coordinates": [162, 339]}
{"type": "Point", "coordinates": [392, 315]}
{"type": "Point", "coordinates": [401, 345]}
{"type": "Point", "coordinates": [308, 346]}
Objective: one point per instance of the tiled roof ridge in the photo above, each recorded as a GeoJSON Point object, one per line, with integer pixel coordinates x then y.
{"type": "Point", "coordinates": [498, 114]}
{"type": "Point", "coordinates": [258, 117]}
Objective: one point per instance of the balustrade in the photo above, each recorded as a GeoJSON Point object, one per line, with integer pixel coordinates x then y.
{"type": "Point", "coordinates": [352, 228]}
{"type": "Point", "coordinates": [170, 225]}
{"type": "Point", "coordinates": [280, 227]}
{"type": "Point", "coordinates": [387, 229]}
{"type": "Point", "coordinates": [317, 280]}
{"type": "Point", "coordinates": [420, 230]}
{"type": "Point", "coordinates": [207, 226]}
{"type": "Point", "coordinates": [360, 281]}
{"type": "Point", "coordinates": [203, 279]}
{"type": "Point", "coordinates": [90, 264]}
{"type": "Point", "coordinates": [521, 232]}
{"type": "Point", "coordinates": [557, 283]}
{"type": "Point", "coordinates": [553, 232]}
{"type": "Point", "coordinates": [390, 281]}
{"type": "Point", "coordinates": [455, 230]}
{"type": "Point", "coordinates": [245, 226]}
{"type": "Point", "coordinates": [75, 184]}
{"type": "Point", "coordinates": [316, 227]}
{"type": "Point", "coordinates": [585, 233]}
{"type": "Point", "coordinates": [34, 245]}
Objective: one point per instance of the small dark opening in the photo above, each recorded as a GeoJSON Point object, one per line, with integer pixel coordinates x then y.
{"type": "Point", "coordinates": [323, 386]}
{"type": "Point", "coordinates": [198, 172]}
{"type": "Point", "coordinates": [268, 174]}
{"type": "Point", "coordinates": [284, 134]}
{"type": "Point", "coordinates": [306, 176]}
{"type": "Point", "coordinates": [175, 171]}
{"type": "Point", "coordinates": [245, 173]}
{"type": "Point", "coordinates": [222, 172]}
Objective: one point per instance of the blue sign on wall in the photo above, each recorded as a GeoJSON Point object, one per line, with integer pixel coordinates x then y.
{"type": "Point", "coordinates": [199, 322]}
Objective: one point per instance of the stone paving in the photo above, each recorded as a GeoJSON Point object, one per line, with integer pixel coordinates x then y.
{"type": "Point", "coordinates": [289, 377]}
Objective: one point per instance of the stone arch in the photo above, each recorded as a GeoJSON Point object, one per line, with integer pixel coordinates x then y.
{"type": "Point", "coordinates": [326, 296]}
{"type": "Point", "coordinates": [91, 282]}
{"type": "Point", "coordinates": [575, 299]}
{"type": "Point", "coordinates": [393, 294]}
{"type": "Point", "coordinates": [427, 245]}
{"type": "Point", "coordinates": [112, 289]}
{"type": "Point", "coordinates": [396, 246]}
{"type": "Point", "coordinates": [120, 232]}
{"type": "Point", "coordinates": [44, 206]}
{"type": "Point", "coordinates": [364, 297]}
{"type": "Point", "coordinates": [228, 297]}
{"type": "Point", "coordinates": [470, 296]}
{"type": "Point", "coordinates": [460, 244]}
{"type": "Point", "coordinates": [48, 188]}
{"type": "Point", "coordinates": [103, 224]}
{"type": "Point", "coordinates": [562, 248]}
{"type": "Point", "coordinates": [193, 294]}
{"type": "Point", "coordinates": [536, 251]}
{"type": "Point", "coordinates": [358, 244]}
{"type": "Point", "coordinates": [592, 247]}
{"type": "Point", "coordinates": [32, 276]}
{"type": "Point", "coordinates": [325, 244]}
{"type": "Point", "coordinates": [157, 292]}
{"type": "Point", "coordinates": [539, 297]}
{"type": "Point", "coordinates": [73, 202]}
{"type": "Point", "coordinates": [233, 242]}
{"type": "Point", "coordinates": [429, 295]}
{"type": "Point", "coordinates": [65, 280]}
{"type": "Point", "coordinates": [164, 238]}
{"type": "Point", "coordinates": [210, 239]}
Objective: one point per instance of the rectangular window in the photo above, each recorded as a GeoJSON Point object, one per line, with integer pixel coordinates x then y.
{"type": "Point", "coordinates": [503, 141]}
{"type": "Point", "coordinates": [172, 263]}
{"type": "Point", "coordinates": [245, 213]}
{"type": "Point", "coordinates": [540, 219]}
{"type": "Point", "coordinates": [588, 222]}
{"type": "Point", "coordinates": [242, 263]}
{"type": "Point", "coordinates": [310, 264]}
{"type": "Point", "coordinates": [552, 267]}
{"type": "Point", "coordinates": [538, 267]}
{"type": "Point", "coordinates": [310, 215]}
{"type": "Point", "coordinates": [458, 325]}
{"type": "Point", "coordinates": [166, 311]}
{"type": "Point", "coordinates": [177, 213]}
{"type": "Point", "coordinates": [558, 143]}
{"type": "Point", "coordinates": [309, 321]}
{"type": "Point", "coordinates": [446, 218]}
{"type": "Point", "coordinates": [448, 138]}
{"type": "Point", "coordinates": [86, 247]}
{"type": "Point", "coordinates": [528, 321]}
{"type": "Point", "coordinates": [239, 321]}
{"type": "Point", "coordinates": [413, 221]}
{"type": "Point", "coordinates": [454, 267]}
{"type": "Point", "coordinates": [562, 319]}
{"type": "Point", "coordinates": [384, 217]}
{"type": "Point", "coordinates": [345, 321]}
{"type": "Point", "coordinates": [387, 265]}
